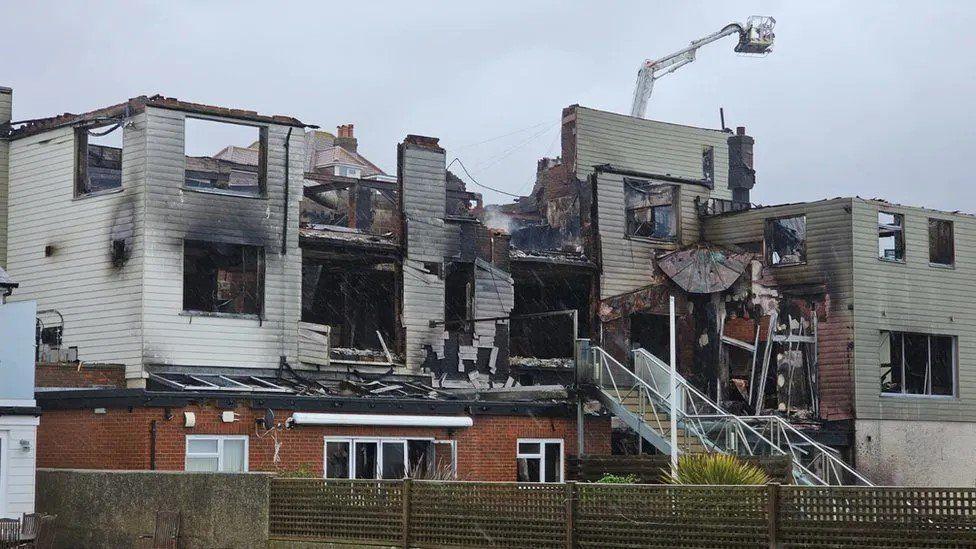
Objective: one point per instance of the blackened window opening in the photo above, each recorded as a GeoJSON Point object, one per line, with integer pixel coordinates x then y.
{"type": "Point", "coordinates": [891, 236]}
{"type": "Point", "coordinates": [356, 300]}
{"type": "Point", "coordinates": [223, 278]}
{"type": "Point", "coordinates": [99, 159]}
{"type": "Point", "coordinates": [941, 244]}
{"type": "Point", "coordinates": [786, 240]}
{"type": "Point", "coordinates": [917, 364]}
{"type": "Point", "coordinates": [459, 297]}
{"type": "Point", "coordinates": [708, 165]}
{"type": "Point", "coordinates": [651, 210]}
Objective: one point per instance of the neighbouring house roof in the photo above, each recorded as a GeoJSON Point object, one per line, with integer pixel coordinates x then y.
{"type": "Point", "coordinates": [336, 154]}
{"type": "Point", "coordinates": [240, 155]}
{"type": "Point", "coordinates": [138, 104]}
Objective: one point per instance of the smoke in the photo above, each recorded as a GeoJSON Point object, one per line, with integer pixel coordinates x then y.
{"type": "Point", "coordinates": [495, 219]}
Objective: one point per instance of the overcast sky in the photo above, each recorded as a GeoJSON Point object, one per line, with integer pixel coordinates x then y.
{"type": "Point", "coordinates": [859, 98]}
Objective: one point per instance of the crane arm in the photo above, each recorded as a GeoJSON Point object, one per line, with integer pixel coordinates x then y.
{"type": "Point", "coordinates": [757, 38]}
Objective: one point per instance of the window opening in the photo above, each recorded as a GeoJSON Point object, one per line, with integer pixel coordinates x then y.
{"type": "Point", "coordinates": [891, 236]}
{"type": "Point", "coordinates": [98, 158]}
{"type": "Point", "coordinates": [786, 240]}
{"type": "Point", "coordinates": [225, 157]}
{"type": "Point", "coordinates": [941, 245]}
{"type": "Point", "coordinates": [917, 364]}
{"type": "Point", "coordinates": [650, 210]}
{"type": "Point", "coordinates": [223, 278]}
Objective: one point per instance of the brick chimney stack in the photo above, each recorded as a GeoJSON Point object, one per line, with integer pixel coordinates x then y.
{"type": "Point", "coordinates": [345, 137]}
{"type": "Point", "coordinates": [742, 174]}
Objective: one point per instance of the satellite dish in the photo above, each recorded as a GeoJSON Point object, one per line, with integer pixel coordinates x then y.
{"type": "Point", "coordinates": [269, 419]}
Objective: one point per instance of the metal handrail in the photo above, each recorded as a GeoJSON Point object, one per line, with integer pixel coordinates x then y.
{"type": "Point", "coordinates": [742, 427]}
{"type": "Point", "coordinates": [826, 454]}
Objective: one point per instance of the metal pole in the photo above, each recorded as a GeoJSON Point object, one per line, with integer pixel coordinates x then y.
{"type": "Point", "coordinates": [673, 382]}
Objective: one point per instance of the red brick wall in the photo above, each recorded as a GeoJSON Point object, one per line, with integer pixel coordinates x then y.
{"type": "Point", "coordinates": [79, 375]}
{"type": "Point", "coordinates": [120, 439]}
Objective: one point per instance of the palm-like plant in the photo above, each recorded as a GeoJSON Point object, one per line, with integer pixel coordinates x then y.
{"type": "Point", "coordinates": [718, 469]}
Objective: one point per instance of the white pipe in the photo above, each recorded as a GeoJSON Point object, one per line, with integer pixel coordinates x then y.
{"type": "Point", "coordinates": [673, 382]}
{"type": "Point", "coordinates": [309, 418]}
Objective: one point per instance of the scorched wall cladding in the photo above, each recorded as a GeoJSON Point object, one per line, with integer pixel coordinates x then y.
{"type": "Point", "coordinates": [828, 262]}
{"type": "Point", "coordinates": [647, 146]}
{"type": "Point", "coordinates": [494, 296]}
{"type": "Point", "coordinates": [174, 213]}
{"type": "Point", "coordinates": [422, 175]}
{"type": "Point", "coordinates": [101, 303]}
{"type": "Point", "coordinates": [913, 296]}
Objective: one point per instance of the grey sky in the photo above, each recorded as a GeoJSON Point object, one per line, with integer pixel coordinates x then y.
{"type": "Point", "coordinates": [872, 99]}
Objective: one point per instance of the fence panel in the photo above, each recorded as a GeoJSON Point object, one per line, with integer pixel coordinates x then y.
{"type": "Point", "coordinates": [486, 514]}
{"type": "Point", "coordinates": [367, 512]}
{"type": "Point", "coordinates": [639, 515]}
{"type": "Point", "coordinates": [877, 517]}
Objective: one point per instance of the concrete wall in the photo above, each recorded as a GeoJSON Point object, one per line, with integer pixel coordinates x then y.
{"type": "Point", "coordinates": [103, 509]}
{"type": "Point", "coordinates": [101, 303]}
{"type": "Point", "coordinates": [174, 214]}
{"type": "Point", "coordinates": [913, 296]}
{"type": "Point", "coordinates": [916, 453]}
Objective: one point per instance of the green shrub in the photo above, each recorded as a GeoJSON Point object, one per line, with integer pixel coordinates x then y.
{"type": "Point", "coordinates": [719, 469]}
{"type": "Point", "coordinates": [618, 479]}
{"type": "Point", "coordinates": [304, 471]}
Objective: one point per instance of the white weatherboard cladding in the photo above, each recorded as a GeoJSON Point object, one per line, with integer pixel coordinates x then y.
{"type": "Point", "coordinates": [646, 146]}
{"type": "Point", "coordinates": [423, 181]}
{"type": "Point", "coordinates": [494, 296]}
{"type": "Point", "coordinates": [101, 304]}
{"type": "Point", "coordinates": [17, 465]}
{"type": "Point", "coordinates": [174, 214]}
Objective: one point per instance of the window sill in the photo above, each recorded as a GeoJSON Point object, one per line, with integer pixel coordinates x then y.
{"type": "Point", "coordinates": [892, 261]}
{"type": "Point", "coordinates": [673, 243]}
{"type": "Point", "coordinates": [236, 194]}
{"type": "Point", "coordinates": [783, 265]}
{"type": "Point", "coordinates": [106, 192]}
{"type": "Point", "coordinates": [942, 266]}
{"type": "Point", "coordinates": [909, 396]}
{"type": "Point", "coordinates": [214, 314]}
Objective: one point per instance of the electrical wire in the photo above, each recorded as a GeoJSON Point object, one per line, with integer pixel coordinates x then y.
{"type": "Point", "coordinates": [475, 181]}
{"type": "Point", "coordinates": [496, 138]}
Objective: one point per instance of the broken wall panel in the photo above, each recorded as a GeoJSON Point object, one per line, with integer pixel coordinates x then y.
{"type": "Point", "coordinates": [421, 169]}
{"type": "Point", "coordinates": [828, 271]}
{"type": "Point", "coordinates": [102, 305]}
{"type": "Point", "coordinates": [494, 296]}
{"type": "Point", "coordinates": [174, 214]}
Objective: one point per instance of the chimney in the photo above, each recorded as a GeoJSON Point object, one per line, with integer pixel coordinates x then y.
{"type": "Point", "coordinates": [742, 175]}
{"type": "Point", "coordinates": [345, 138]}
{"type": "Point", "coordinates": [6, 113]}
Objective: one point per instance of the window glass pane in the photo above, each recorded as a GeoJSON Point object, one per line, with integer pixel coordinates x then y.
{"type": "Point", "coordinates": [233, 454]}
{"type": "Point", "coordinates": [528, 447]}
{"type": "Point", "coordinates": [663, 222]}
{"type": "Point", "coordinates": [554, 461]}
{"type": "Point", "coordinates": [941, 246]}
{"type": "Point", "coordinates": [444, 459]}
{"type": "Point", "coordinates": [337, 459]}
{"type": "Point", "coordinates": [916, 360]}
{"type": "Point", "coordinates": [208, 464]}
{"type": "Point", "coordinates": [942, 365]}
{"type": "Point", "coordinates": [201, 446]}
{"type": "Point", "coordinates": [890, 360]}
{"type": "Point", "coordinates": [529, 469]}
{"type": "Point", "coordinates": [393, 458]}
{"type": "Point", "coordinates": [365, 459]}
{"type": "Point", "coordinates": [650, 211]}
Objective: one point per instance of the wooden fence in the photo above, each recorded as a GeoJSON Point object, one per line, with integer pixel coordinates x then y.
{"type": "Point", "coordinates": [509, 515]}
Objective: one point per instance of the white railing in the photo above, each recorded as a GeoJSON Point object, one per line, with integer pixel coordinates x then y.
{"type": "Point", "coordinates": [647, 387]}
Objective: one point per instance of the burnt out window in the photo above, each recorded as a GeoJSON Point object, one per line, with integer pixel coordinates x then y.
{"type": "Point", "coordinates": [225, 158]}
{"type": "Point", "coordinates": [98, 165]}
{"type": "Point", "coordinates": [222, 278]}
{"type": "Point", "coordinates": [941, 243]}
{"type": "Point", "coordinates": [786, 240]}
{"type": "Point", "coordinates": [651, 210]}
{"type": "Point", "coordinates": [708, 165]}
{"type": "Point", "coordinates": [918, 364]}
{"type": "Point", "coordinates": [891, 236]}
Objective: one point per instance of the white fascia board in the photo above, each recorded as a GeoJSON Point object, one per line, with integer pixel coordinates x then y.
{"type": "Point", "coordinates": [310, 418]}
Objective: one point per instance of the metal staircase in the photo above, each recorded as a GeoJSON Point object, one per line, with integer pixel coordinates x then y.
{"type": "Point", "coordinates": [640, 397]}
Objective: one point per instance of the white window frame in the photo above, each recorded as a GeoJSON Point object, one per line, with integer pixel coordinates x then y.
{"type": "Point", "coordinates": [541, 456]}
{"type": "Point", "coordinates": [379, 441]}
{"type": "Point", "coordinates": [928, 367]}
{"type": "Point", "coordinates": [220, 449]}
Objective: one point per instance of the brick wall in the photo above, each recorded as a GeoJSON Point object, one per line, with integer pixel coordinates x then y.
{"type": "Point", "coordinates": [79, 375]}
{"type": "Point", "coordinates": [120, 439]}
